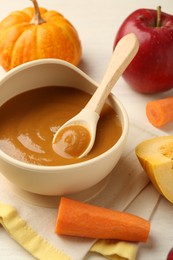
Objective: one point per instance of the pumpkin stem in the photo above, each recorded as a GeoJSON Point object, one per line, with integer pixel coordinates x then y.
{"type": "Point", "coordinates": [37, 19]}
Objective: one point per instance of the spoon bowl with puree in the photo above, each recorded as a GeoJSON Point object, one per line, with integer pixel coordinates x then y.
{"type": "Point", "coordinates": [76, 137]}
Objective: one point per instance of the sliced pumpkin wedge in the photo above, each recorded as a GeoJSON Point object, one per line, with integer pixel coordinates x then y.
{"type": "Point", "coordinates": [156, 158]}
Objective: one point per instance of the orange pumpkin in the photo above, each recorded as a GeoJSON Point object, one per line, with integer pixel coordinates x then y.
{"type": "Point", "coordinates": [36, 33]}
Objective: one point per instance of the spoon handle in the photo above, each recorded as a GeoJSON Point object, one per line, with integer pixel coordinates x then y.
{"type": "Point", "coordinates": [123, 54]}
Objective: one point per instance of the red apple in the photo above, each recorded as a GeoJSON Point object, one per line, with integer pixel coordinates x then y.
{"type": "Point", "coordinates": [151, 70]}
{"type": "Point", "coordinates": [170, 255]}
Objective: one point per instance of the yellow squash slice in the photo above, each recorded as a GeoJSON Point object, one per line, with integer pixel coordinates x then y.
{"type": "Point", "coordinates": [156, 158]}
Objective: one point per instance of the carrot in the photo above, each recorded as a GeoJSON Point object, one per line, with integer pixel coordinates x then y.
{"type": "Point", "coordinates": [160, 112]}
{"type": "Point", "coordinates": [84, 220]}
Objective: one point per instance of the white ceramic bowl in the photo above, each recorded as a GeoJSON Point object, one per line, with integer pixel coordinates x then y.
{"type": "Point", "coordinates": [57, 180]}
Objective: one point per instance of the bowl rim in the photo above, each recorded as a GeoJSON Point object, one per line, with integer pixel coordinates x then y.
{"type": "Point", "coordinates": [44, 168]}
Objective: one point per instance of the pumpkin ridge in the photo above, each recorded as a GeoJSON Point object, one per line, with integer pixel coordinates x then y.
{"type": "Point", "coordinates": [52, 37]}
{"type": "Point", "coordinates": [7, 51]}
{"type": "Point", "coordinates": [13, 59]}
{"type": "Point", "coordinates": [37, 41]}
{"type": "Point", "coordinates": [24, 15]}
{"type": "Point", "coordinates": [13, 50]}
{"type": "Point", "coordinates": [17, 17]}
{"type": "Point", "coordinates": [76, 46]}
{"type": "Point", "coordinates": [53, 17]}
{"type": "Point", "coordinates": [73, 43]}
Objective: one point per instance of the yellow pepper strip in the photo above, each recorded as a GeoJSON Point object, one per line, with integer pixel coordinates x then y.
{"type": "Point", "coordinates": [22, 233]}
{"type": "Point", "coordinates": [115, 250]}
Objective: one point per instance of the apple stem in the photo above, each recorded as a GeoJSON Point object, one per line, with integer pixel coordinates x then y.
{"type": "Point", "coordinates": [158, 23]}
{"type": "Point", "coordinates": [37, 19]}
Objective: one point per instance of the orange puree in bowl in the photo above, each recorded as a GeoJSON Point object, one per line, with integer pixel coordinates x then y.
{"type": "Point", "coordinates": [29, 121]}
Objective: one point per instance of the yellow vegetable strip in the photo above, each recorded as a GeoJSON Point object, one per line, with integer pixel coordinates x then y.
{"type": "Point", "coordinates": [113, 250]}
{"type": "Point", "coordinates": [22, 233]}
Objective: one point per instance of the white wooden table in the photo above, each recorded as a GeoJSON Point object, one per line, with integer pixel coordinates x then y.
{"type": "Point", "coordinates": [97, 23]}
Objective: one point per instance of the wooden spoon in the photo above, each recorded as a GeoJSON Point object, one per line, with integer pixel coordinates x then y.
{"type": "Point", "coordinates": [123, 54]}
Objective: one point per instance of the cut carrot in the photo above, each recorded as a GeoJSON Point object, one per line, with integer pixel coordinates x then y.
{"type": "Point", "coordinates": [84, 220]}
{"type": "Point", "coordinates": [160, 112]}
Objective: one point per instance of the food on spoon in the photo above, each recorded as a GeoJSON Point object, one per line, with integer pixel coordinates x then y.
{"type": "Point", "coordinates": [84, 220]}
{"type": "Point", "coordinates": [156, 157]}
{"type": "Point", "coordinates": [160, 112]}
{"type": "Point", "coordinates": [72, 141]}
{"type": "Point", "coordinates": [36, 33]}
{"type": "Point", "coordinates": [151, 70]}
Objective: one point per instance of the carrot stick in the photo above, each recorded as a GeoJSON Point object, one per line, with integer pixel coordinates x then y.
{"type": "Point", "coordinates": [160, 112]}
{"type": "Point", "coordinates": [84, 220]}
